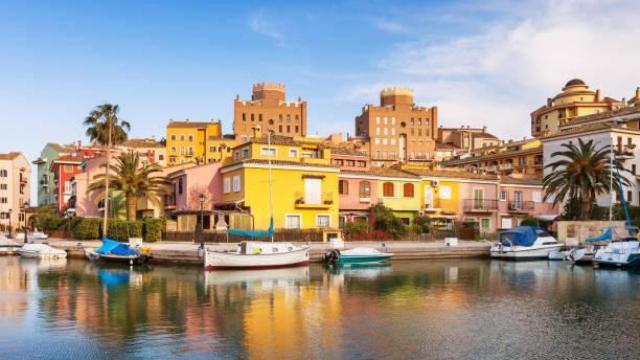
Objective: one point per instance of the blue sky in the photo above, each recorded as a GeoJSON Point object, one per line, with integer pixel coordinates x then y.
{"type": "Point", "coordinates": [482, 63]}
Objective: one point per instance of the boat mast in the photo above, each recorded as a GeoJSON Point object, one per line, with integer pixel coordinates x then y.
{"type": "Point", "coordinates": [270, 178]}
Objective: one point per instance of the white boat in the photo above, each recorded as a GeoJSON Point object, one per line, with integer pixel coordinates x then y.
{"type": "Point", "coordinates": [257, 255]}
{"type": "Point", "coordinates": [264, 279]}
{"type": "Point", "coordinates": [357, 255]}
{"type": "Point", "coordinates": [525, 243]}
{"type": "Point", "coordinates": [32, 237]}
{"type": "Point", "coordinates": [8, 246]}
{"type": "Point", "coordinates": [620, 253]}
{"type": "Point", "coordinates": [41, 251]}
{"type": "Point", "coordinates": [559, 255]}
{"type": "Point", "coordinates": [581, 255]}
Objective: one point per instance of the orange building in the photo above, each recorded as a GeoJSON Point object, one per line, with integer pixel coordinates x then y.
{"type": "Point", "coordinates": [398, 130]}
{"type": "Point", "coordinates": [268, 109]}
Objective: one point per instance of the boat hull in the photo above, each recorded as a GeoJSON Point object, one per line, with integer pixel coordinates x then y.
{"type": "Point", "coordinates": [118, 259]}
{"type": "Point", "coordinates": [524, 253]}
{"type": "Point", "coordinates": [218, 260]}
{"type": "Point", "coordinates": [619, 254]}
{"type": "Point", "coordinates": [355, 259]}
{"type": "Point", "coordinates": [581, 256]}
{"type": "Point", "coordinates": [41, 252]}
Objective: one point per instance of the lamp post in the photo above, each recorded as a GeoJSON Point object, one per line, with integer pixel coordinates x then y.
{"type": "Point", "coordinates": [202, 199]}
{"type": "Point", "coordinates": [10, 222]}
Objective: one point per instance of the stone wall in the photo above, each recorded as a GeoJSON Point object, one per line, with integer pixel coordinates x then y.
{"type": "Point", "coordinates": [574, 232]}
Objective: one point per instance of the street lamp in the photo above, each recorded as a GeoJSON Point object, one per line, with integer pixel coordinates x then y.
{"type": "Point", "coordinates": [202, 199]}
{"type": "Point", "coordinates": [10, 222]}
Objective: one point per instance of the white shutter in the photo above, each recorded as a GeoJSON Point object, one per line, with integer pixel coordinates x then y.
{"type": "Point", "coordinates": [537, 196]}
{"type": "Point", "coordinates": [312, 191]}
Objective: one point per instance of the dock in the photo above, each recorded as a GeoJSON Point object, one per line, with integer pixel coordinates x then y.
{"type": "Point", "coordinates": [187, 253]}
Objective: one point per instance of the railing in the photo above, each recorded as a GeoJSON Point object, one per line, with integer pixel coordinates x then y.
{"type": "Point", "coordinates": [480, 205]}
{"type": "Point", "coordinates": [505, 166]}
{"type": "Point", "coordinates": [326, 200]}
{"type": "Point", "coordinates": [520, 206]}
{"type": "Point", "coordinates": [432, 205]}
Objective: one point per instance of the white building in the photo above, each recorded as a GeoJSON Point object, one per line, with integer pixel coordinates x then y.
{"type": "Point", "coordinates": [625, 142]}
{"type": "Point", "coordinates": [15, 173]}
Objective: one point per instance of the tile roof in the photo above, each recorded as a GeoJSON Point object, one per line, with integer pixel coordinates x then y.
{"type": "Point", "coordinates": [630, 110]}
{"type": "Point", "coordinates": [10, 155]}
{"type": "Point", "coordinates": [588, 127]}
{"type": "Point", "coordinates": [382, 172]}
{"type": "Point", "coordinates": [279, 162]}
{"type": "Point", "coordinates": [70, 158]}
{"type": "Point", "coordinates": [142, 143]}
{"type": "Point", "coordinates": [460, 174]}
{"type": "Point", "coordinates": [521, 181]}
{"type": "Point", "coordinates": [190, 124]}
{"type": "Point", "coordinates": [341, 150]}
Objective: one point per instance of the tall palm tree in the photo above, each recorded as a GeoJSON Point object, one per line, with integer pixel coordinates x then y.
{"type": "Point", "coordinates": [105, 128]}
{"type": "Point", "coordinates": [582, 172]}
{"type": "Point", "coordinates": [133, 178]}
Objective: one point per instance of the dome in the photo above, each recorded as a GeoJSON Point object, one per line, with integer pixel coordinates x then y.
{"type": "Point", "coordinates": [575, 82]}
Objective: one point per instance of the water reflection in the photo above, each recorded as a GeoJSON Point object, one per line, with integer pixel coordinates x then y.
{"type": "Point", "coordinates": [434, 309]}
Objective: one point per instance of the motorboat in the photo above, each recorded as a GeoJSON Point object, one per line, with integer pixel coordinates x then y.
{"type": "Point", "coordinates": [32, 237]}
{"type": "Point", "coordinates": [559, 255]}
{"type": "Point", "coordinates": [116, 252]}
{"type": "Point", "coordinates": [584, 253]}
{"type": "Point", "coordinates": [620, 253]}
{"type": "Point", "coordinates": [257, 255]}
{"type": "Point", "coordinates": [525, 243]}
{"type": "Point", "coordinates": [41, 251]}
{"type": "Point", "coordinates": [8, 246]}
{"type": "Point", "coordinates": [357, 255]}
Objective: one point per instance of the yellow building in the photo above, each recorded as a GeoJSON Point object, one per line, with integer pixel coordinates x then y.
{"type": "Point", "coordinates": [197, 142]}
{"type": "Point", "coordinates": [575, 100]}
{"type": "Point", "coordinates": [398, 190]}
{"type": "Point", "coordinates": [304, 184]}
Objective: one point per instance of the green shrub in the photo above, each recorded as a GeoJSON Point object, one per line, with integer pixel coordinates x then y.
{"type": "Point", "coordinates": [122, 230]}
{"type": "Point", "coordinates": [422, 224]}
{"type": "Point", "coordinates": [86, 228]}
{"type": "Point", "coordinates": [356, 227]}
{"type": "Point", "coordinates": [386, 221]}
{"type": "Point", "coordinates": [153, 229]}
{"type": "Point", "coordinates": [47, 218]}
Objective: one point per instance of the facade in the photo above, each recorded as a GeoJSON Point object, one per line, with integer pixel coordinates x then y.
{"type": "Point", "coordinates": [357, 189]}
{"type": "Point", "coordinates": [625, 143]}
{"type": "Point", "coordinates": [269, 110]}
{"type": "Point", "coordinates": [64, 169]}
{"type": "Point", "coordinates": [398, 130]}
{"type": "Point", "coordinates": [466, 138]}
{"type": "Point", "coordinates": [15, 193]}
{"type": "Point", "coordinates": [196, 142]}
{"type": "Point", "coordinates": [575, 100]}
{"type": "Point", "coordinates": [523, 197]}
{"type": "Point", "coordinates": [149, 150]}
{"type": "Point", "coordinates": [304, 184]}
{"type": "Point", "coordinates": [45, 181]}
{"type": "Point", "coordinates": [510, 158]}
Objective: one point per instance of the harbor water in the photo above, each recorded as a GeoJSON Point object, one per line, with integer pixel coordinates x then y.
{"type": "Point", "coordinates": [454, 309]}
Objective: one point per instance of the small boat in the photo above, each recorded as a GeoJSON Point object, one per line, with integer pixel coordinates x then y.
{"type": "Point", "coordinates": [41, 251]}
{"type": "Point", "coordinates": [525, 243]}
{"type": "Point", "coordinates": [32, 237]}
{"type": "Point", "coordinates": [116, 252]}
{"type": "Point", "coordinates": [559, 255]}
{"type": "Point", "coordinates": [8, 246]}
{"type": "Point", "coordinates": [359, 255]}
{"type": "Point", "coordinates": [257, 255]}
{"type": "Point", "coordinates": [623, 252]}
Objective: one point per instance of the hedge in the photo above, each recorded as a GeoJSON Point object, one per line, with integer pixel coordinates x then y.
{"type": "Point", "coordinates": [122, 230]}
{"type": "Point", "coordinates": [86, 228]}
{"type": "Point", "coordinates": [153, 229]}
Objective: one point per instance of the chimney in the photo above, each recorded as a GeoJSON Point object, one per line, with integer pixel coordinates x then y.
{"type": "Point", "coordinates": [597, 95]}
{"type": "Point", "coordinates": [638, 92]}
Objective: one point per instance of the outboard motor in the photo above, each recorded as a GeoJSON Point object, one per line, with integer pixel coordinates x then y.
{"type": "Point", "coordinates": [331, 256]}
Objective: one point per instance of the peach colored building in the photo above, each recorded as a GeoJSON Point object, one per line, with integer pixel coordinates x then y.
{"type": "Point", "coordinates": [15, 192]}
{"type": "Point", "coordinates": [398, 129]}
{"type": "Point", "coordinates": [357, 189]}
{"type": "Point", "coordinates": [268, 109]}
{"type": "Point", "coordinates": [520, 198]}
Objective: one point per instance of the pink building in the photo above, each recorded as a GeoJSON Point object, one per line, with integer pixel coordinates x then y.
{"type": "Point", "coordinates": [357, 188]}
{"type": "Point", "coordinates": [81, 202]}
{"type": "Point", "coordinates": [522, 197]}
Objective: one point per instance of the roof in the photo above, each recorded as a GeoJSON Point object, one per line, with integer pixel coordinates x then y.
{"type": "Point", "coordinates": [190, 124]}
{"type": "Point", "coordinates": [278, 163]}
{"type": "Point", "coordinates": [10, 155]}
{"type": "Point", "coordinates": [424, 172]}
{"type": "Point", "coordinates": [625, 111]}
{"type": "Point", "coordinates": [510, 153]}
{"type": "Point", "coordinates": [341, 150]}
{"type": "Point", "coordinates": [381, 172]}
{"type": "Point", "coordinates": [521, 181]}
{"type": "Point", "coordinates": [485, 135]}
{"type": "Point", "coordinates": [574, 82]}
{"type": "Point", "coordinates": [142, 143]}
{"type": "Point", "coordinates": [446, 146]}
{"type": "Point", "coordinates": [70, 158]}
{"type": "Point", "coordinates": [61, 148]}
{"type": "Point", "coordinates": [275, 140]}
{"type": "Point", "coordinates": [587, 128]}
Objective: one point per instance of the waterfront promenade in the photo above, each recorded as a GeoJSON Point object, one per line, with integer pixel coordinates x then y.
{"type": "Point", "coordinates": [187, 253]}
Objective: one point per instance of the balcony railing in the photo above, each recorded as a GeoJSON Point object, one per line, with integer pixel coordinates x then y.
{"type": "Point", "coordinates": [520, 206]}
{"type": "Point", "coordinates": [325, 201]}
{"type": "Point", "coordinates": [432, 205]}
{"type": "Point", "coordinates": [505, 166]}
{"type": "Point", "coordinates": [480, 205]}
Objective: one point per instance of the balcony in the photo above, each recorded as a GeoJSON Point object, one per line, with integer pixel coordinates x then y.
{"type": "Point", "coordinates": [505, 166]}
{"type": "Point", "coordinates": [520, 206]}
{"type": "Point", "coordinates": [624, 152]}
{"type": "Point", "coordinates": [304, 202]}
{"type": "Point", "coordinates": [491, 168]}
{"type": "Point", "coordinates": [480, 205]}
{"type": "Point", "coordinates": [432, 206]}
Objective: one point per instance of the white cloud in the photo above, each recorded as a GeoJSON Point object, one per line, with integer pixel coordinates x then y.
{"type": "Point", "coordinates": [389, 26]}
{"type": "Point", "coordinates": [259, 24]}
{"type": "Point", "coordinates": [498, 75]}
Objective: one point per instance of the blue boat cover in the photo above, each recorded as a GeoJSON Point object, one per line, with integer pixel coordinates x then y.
{"type": "Point", "coordinates": [253, 233]}
{"type": "Point", "coordinates": [110, 246]}
{"type": "Point", "coordinates": [605, 236]}
{"type": "Point", "coordinates": [520, 236]}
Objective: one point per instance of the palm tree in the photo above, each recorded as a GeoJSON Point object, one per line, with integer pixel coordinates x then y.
{"type": "Point", "coordinates": [133, 179]}
{"type": "Point", "coordinates": [106, 129]}
{"type": "Point", "coordinates": [581, 173]}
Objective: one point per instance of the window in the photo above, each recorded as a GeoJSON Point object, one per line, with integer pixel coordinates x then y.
{"type": "Point", "coordinates": [252, 118]}
{"type": "Point", "coordinates": [378, 120]}
{"type": "Point", "coordinates": [190, 137]}
{"type": "Point", "coordinates": [503, 196]}
{"type": "Point", "coordinates": [445, 192]}
{"type": "Point", "coordinates": [244, 117]}
{"type": "Point", "coordinates": [297, 129]}
{"type": "Point", "coordinates": [293, 153]}
{"type": "Point", "coordinates": [288, 118]}
{"type": "Point", "coordinates": [227, 185]}
{"type": "Point", "coordinates": [633, 169]}
{"type": "Point", "coordinates": [173, 137]}
{"type": "Point", "coordinates": [343, 187]}
{"type": "Point", "coordinates": [393, 141]}
{"type": "Point", "coordinates": [377, 131]}
{"type": "Point", "coordinates": [280, 128]}
{"type": "Point", "coordinates": [407, 190]}
{"type": "Point", "coordinates": [323, 221]}
{"type": "Point", "coordinates": [173, 149]}
{"type": "Point", "coordinates": [536, 196]}
{"type": "Point", "coordinates": [629, 196]}
{"type": "Point", "coordinates": [212, 148]}
{"type": "Point", "coordinates": [377, 141]}
{"type": "Point", "coordinates": [387, 189]}
{"type": "Point", "coordinates": [180, 186]}
{"type": "Point", "coordinates": [181, 137]}
{"type": "Point", "coordinates": [268, 151]}
{"type": "Point", "coordinates": [3, 186]}
{"type": "Point", "coordinates": [245, 153]}
{"type": "Point", "coordinates": [236, 183]}
{"type": "Point", "coordinates": [312, 191]}
{"type": "Point", "coordinates": [288, 128]}
{"type": "Point", "coordinates": [365, 189]}
{"type": "Point", "coordinates": [259, 117]}
{"type": "Point", "coordinates": [160, 157]}
{"type": "Point", "coordinates": [485, 223]}
{"type": "Point", "coordinates": [3, 200]}
{"type": "Point", "coordinates": [292, 221]}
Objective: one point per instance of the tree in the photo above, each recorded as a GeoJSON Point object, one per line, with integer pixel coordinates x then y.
{"type": "Point", "coordinates": [104, 127]}
{"type": "Point", "coordinates": [133, 179]}
{"type": "Point", "coordinates": [386, 221]}
{"type": "Point", "coordinates": [580, 174]}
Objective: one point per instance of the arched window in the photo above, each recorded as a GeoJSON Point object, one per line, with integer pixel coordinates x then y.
{"type": "Point", "coordinates": [408, 190]}
{"type": "Point", "coordinates": [387, 189]}
{"type": "Point", "coordinates": [365, 189]}
{"type": "Point", "coordinates": [343, 187]}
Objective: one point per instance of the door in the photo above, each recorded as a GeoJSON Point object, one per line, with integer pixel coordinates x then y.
{"type": "Point", "coordinates": [312, 191]}
{"type": "Point", "coordinates": [517, 200]}
{"type": "Point", "coordinates": [505, 223]}
{"type": "Point", "coordinates": [402, 147]}
{"type": "Point", "coordinates": [478, 198]}
{"type": "Point", "coordinates": [428, 197]}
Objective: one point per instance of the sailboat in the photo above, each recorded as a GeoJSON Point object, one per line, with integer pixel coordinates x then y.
{"type": "Point", "coordinates": [258, 254]}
